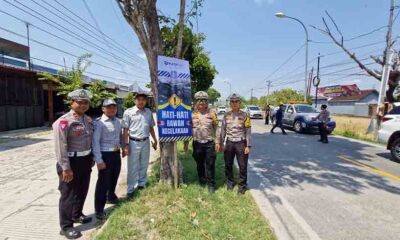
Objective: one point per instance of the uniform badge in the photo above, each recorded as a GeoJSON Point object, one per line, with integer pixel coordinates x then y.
{"type": "Point", "coordinates": [63, 125]}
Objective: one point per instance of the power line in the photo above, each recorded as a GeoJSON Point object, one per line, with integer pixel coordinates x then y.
{"type": "Point", "coordinates": [63, 29]}
{"type": "Point", "coordinates": [63, 51]}
{"type": "Point", "coordinates": [86, 72]}
{"type": "Point", "coordinates": [124, 49]}
{"type": "Point", "coordinates": [58, 37]}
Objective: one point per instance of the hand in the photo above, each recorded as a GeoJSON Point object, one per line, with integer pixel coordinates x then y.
{"type": "Point", "coordinates": [247, 150]}
{"type": "Point", "coordinates": [125, 151]}
{"type": "Point", "coordinates": [217, 147]}
{"type": "Point", "coordinates": [67, 175]}
{"type": "Point", "coordinates": [154, 144]}
{"type": "Point", "coordinates": [221, 147]}
{"type": "Point", "coordinates": [186, 146]}
{"type": "Point", "coordinates": [101, 166]}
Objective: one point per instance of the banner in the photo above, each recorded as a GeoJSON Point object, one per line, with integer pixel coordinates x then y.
{"type": "Point", "coordinates": [174, 114]}
{"type": "Point", "coordinates": [338, 90]}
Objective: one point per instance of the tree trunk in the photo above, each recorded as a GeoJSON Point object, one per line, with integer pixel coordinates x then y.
{"type": "Point", "coordinates": [181, 26]}
{"type": "Point", "coordinates": [142, 16]}
{"type": "Point", "coordinates": [50, 105]}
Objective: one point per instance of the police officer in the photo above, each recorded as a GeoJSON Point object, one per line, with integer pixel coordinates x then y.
{"type": "Point", "coordinates": [107, 142]}
{"type": "Point", "coordinates": [73, 140]}
{"type": "Point", "coordinates": [236, 131]}
{"type": "Point", "coordinates": [138, 124]}
{"type": "Point", "coordinates": [323, 117]}
{"type": "Point", "coordinates": [267, 114]}
{"type": "Point", "coordinates": [205, 125]}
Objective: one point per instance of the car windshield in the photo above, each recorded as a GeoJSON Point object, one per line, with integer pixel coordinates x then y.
{"type": "Point", "coordinates": [254, 108]}
{"type": "Point", "coordinates": [305, 109]}
{"type": "Point", "coordinates": [221, 107]}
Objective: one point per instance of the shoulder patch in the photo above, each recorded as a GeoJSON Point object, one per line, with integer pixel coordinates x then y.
{"type": "Point", "coordinates": [63, 125]}
{"type": "Point", "coordinates": [247, 123]}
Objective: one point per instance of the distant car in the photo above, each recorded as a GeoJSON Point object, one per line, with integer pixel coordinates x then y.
{"type": "Point", "coordinates": [390, 132]}
{"type": "Point", "coordinates": [300, 118]}
{"type": "Point", "coordinates": [221, 110]}
{"type": "Point", "coordinates": [254, 111]}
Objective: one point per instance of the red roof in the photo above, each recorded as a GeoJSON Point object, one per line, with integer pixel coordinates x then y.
{"type": "Point", "coordinates": [357, 96]}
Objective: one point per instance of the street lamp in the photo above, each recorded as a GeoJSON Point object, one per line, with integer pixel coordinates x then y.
{"type": "Point", "coordinates": [282, 15]}
{"type": "Point", "coordinates": [230, 87]}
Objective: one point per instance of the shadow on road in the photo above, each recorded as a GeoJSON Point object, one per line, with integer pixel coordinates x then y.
{"type": "Point", "coordinates": [288, 161]}
{"type": "Point", "coordinates": [11, 143]}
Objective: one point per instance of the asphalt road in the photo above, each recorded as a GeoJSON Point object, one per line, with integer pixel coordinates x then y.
{"type": "Point", "coordinates": [308, 190]}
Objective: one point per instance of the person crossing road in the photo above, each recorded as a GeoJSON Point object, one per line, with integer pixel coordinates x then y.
{"type": "Point", "coordinates": [278, 120]}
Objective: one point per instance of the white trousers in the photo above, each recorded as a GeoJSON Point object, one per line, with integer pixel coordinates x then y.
{"type": "Point", "coordinates": [138, 162]}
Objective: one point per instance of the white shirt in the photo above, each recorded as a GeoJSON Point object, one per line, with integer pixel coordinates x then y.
{"type": "Point", "coordinates": [138, 122]}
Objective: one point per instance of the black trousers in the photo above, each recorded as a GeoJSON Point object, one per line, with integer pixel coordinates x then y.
{"type": "Point", "coordinates": [232, 150]}
{"type": "Point", "coordinates": [73, 194]}
{"type": "Point", "coordinates": [204, 154]}
{"type": "Point", "coordinates": [267, 118]}
{"type": "Point", "coordinates": [323, 132]}
{"type": "Point", "coordinates": [279, 125]}
{"type": "Point", "coordinates": [107, 180]}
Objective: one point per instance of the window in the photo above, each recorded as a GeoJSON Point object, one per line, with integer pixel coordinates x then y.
{"type": "Point", "coordinates": [290, 109]}
{"type": "Point", "coordinates": [305, 109]}
{"type": "Point", "coordinates": [395, 111]}
{"type": "Point", "coordinates": [254, 108]}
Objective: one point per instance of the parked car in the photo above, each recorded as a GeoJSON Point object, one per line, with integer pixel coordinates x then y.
{"type": "Point", "coordinates": [221, 110]}
{"type": "Point", "coordinates": [390, 132]}
{"type": "Point", "coordinates": [254, 111]}
{"type": "Point", "coordinates": [300, 118]}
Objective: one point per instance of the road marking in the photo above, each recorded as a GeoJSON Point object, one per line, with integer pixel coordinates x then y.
{"type": "Point", "coordinates": [373, 169]}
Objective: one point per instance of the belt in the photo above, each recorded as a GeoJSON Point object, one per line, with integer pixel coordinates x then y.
{"type": "Point", "coordinates": [79, 154]}
{"type": "Point", "coordinates": [237, 139]}
{"type": "Point", "coordinates": [114, 149]}
{"type": "Point", "coordinates": [204, 141]}
{"type": "Point", "coordinates": [138, 140]}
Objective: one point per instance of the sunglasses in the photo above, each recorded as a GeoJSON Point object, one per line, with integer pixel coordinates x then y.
{"type": "Point", "coordinates": [203, 100]}
{"type": "Point", "coordinates": [235, 101]}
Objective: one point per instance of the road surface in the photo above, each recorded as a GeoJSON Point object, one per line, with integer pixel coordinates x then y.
{"type": "Point", "coordinates": [308, 190]}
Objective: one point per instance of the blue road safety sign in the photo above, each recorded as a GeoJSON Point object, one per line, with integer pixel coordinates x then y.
{"type": "Point", "coordinates": [174, 114]}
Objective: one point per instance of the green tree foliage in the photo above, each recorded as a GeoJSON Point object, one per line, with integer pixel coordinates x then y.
{"type": "Point", "coordinates": [128, 101]}
{"type": "Point", "coordinates": [213, 95]}
{"type": "Point", "coordinates": [99, 91]}
{"type": "Point", "coordinates": [202, 70]}
{"type": "Point", "coordinates": [72, 79]}
{"type": "Point", "coordinates": [284, 96]}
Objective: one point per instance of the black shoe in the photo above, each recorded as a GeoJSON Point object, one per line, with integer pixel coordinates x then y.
{"type": "Point", "coordinates": [113, 201]}
{"type": "Point", "coordinates": [320, 140]}
{"type": "Point", "coordinates": [101, 216]}
{"type": "Point", "coordinates": [325, 142]}
{"type": "Point", "coordinates": [242, 190]}
{"type": "Point", "coordinates": [71, 233]}
{"type": "Point", "coordinates": [140, 187]}
{"type": "Point", "coordinates": [211, 189]}
{"type": "Point", "coordinates": [130, 195]}
{"type": "Point", "coordinates": [82, 219]}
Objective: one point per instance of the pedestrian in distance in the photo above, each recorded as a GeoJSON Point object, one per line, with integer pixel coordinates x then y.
{"type": "Point", "coordinates": [278, 120]}
{"type": "Point", "coordinates": [267, 114]}
{"type": "Point", "coordinates": [236, 134]}
{"type": "Point", "coordinates": [138, 124]}
{"type": "Point", "coordinates": [205, 143]}
{"type": "Point", "coordinates": [73, 140]}
{"type": "Point", "coordinates": [323, 118]}
{"type": "Point", "coordinates": [107, 142]}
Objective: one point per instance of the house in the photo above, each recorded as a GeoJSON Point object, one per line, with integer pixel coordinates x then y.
{"type": "Point", "coordinates": [351, 101]}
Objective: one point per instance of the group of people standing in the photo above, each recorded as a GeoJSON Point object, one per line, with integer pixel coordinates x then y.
{"type": "Point", "coordinates": [233, 138]}
{"type": "Point", "coordinates": [80, 143]}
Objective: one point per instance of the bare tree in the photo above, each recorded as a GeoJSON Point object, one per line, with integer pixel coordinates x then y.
{"type": "Point", "coordinates": [339, 41]}
{"type": "Point", "coordinates": [142, 16]}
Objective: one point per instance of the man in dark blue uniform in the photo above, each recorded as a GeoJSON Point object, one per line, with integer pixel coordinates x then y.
{"type": "Point", "coordinates": [278, 120]}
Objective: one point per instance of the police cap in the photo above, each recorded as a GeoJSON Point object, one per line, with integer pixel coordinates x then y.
{"type": "Point", "coordinates": [80, 94]}
{"type": "Point", "coordinates": [108, 102]}
{"type": "Point", "coordinates": [201, 95]}
{"type": "Point", "coordinates": [234, 97]}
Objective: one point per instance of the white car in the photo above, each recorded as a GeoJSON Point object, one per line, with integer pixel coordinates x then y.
{"type": "Point", "coordinates": [221, 110]}
{"type": "Point", "coordinates": [390, 132]}
{"type": "Point", "coordinates": [254, 111]}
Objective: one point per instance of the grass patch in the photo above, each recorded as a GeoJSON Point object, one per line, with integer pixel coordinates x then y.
{"type": "Point", "coordinates": [190, 212]}
{"type": "Point", "coordinates": [353, 127]}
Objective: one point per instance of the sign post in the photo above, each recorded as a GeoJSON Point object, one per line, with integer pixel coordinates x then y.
{"type": "Point", "coordinates": [174, 113]}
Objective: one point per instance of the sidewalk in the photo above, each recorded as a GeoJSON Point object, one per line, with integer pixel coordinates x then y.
{"type": "Point", "coordinates": [29, 194]}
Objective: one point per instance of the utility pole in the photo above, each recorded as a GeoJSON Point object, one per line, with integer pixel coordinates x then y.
{"type": "Point", "coordinates": [269, 85]}
{"type": "Point", "coordinates": [251, 97]}
{"type": "Point", "coordinates": [386, 67]}
{"type": "Point", "coordinates": [316, 85]}
{"type": "Point", "coordinates": [29, 47]}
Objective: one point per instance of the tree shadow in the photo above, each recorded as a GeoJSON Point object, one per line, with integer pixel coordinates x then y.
{"type": "Point", "coordinates": [289, 161]}
{"type": "Point", "coordinates": [12, 143]}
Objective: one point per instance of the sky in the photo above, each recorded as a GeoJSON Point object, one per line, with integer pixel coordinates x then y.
{"type": "Point", "coordinates": [247, 43]}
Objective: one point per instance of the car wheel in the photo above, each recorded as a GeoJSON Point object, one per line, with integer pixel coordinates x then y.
{"type": "Point", "coordinates": [297, 127]}
{"type": "Point", "coordinates": [395, 150]}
